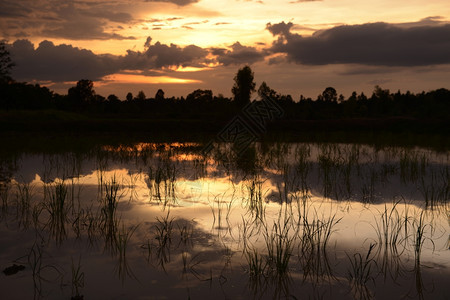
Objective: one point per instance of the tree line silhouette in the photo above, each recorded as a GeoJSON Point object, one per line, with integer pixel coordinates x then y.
{"type": "Point", "coordinates": [202, 104]}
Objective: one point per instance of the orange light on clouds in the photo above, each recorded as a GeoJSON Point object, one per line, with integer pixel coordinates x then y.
{"type": "Point", "coordinates": [186, 69]}
{"type": "Point", "coordinates": [130, 78]}
{"type": "Point", "coordinates": [190, 69]}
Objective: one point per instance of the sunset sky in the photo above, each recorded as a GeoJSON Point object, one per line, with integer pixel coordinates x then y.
{"type": "Point", "coordinates": [297, 47]}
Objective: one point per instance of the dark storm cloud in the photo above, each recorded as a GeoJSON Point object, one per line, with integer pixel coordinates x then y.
{"type": "Point", "coordinates": [75, 20]}
{"type": "Point", "coordinates": [161, 55]}
{"type": "Point", "coordinates": [13, 9]}
{"type": "Point", "coordinates": [177, 2]}
{"type": "Point", "coordinates": [368, 44]}
{"type": "Point", "coordinates": [238, 54]}
{"type": "Point", "coordinates": [59, 63]}
{"type": "Point", "coordinates": [148, 42]}
{"type": "Point", "coordinates": [282, 29]}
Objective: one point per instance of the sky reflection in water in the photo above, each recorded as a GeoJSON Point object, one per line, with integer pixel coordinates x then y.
{"type": "Point", "coordinates": [284, 220]}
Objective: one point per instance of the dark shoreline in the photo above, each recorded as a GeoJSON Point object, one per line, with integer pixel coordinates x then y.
{"type": "Point", "coordinates": [39, 130]}
{"type": "Point", "coordinates": [57, 121]}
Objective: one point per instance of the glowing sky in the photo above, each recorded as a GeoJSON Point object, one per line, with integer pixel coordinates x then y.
{"type": "Point", "coordinates": [297, 47]}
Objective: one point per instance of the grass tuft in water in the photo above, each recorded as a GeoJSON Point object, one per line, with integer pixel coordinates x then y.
{"type": "Point", "coordinates": [24, 195]}
{"type": "Point", "coordinates": [123, 238]}
{"type": "Point", "coordinates": [109, 220]}
{"type": "Point", "coordinates": [77, 279]}
{"type": "Point", "coordinates": [361, 272]}
{"type": "Point", "coordinates": [163, 236]}
{"type": "Point", "coordinates": [58, 209]}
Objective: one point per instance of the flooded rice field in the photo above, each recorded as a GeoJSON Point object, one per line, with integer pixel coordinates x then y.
{"type": "Point", "coordinates": [172, 221]}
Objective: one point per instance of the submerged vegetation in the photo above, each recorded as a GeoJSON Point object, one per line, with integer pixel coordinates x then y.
{"type": "Point", "coordinates": [296, 220]}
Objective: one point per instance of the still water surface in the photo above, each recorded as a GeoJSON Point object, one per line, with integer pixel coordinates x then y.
{"type": "Point", "coordinates": [282, 220]}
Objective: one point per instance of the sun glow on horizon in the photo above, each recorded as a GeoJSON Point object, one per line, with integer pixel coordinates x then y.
{"type": "Point", "coordinates": [132, 78]}
{"type": "Point", "coordinates": [200, 44]}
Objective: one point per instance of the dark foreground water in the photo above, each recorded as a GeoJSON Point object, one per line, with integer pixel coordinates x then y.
{"type": "Point", "coordinates": [279, 220]}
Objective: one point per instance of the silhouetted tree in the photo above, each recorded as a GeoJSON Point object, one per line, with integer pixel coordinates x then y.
{"type": "Point", "coordinates": [82, 94]}
{"type": "Point", "coordinates": [329, 94]}
{"type": "Point", "coordinates": [5, 63]}
{"type": "Point", "coordinates": [98, 99]}
{"type": "Point", "coordinates": [349, 106]}
{"type": "Point", "coordinates": [362, 108]}
{"type": "Point", "coordinates": [286, 99]}
{"type": "Point", "coordinates": [243, 86]}
{"type": "Point", "coordinates": [129, 97]}
{"type": "Point", "coordinates": [25, 96]}
{"type": "Point", "coordinates": [141, 96]}
{"type": "Point", "coordinates": [362, 97]}
{"type": "Point", "coordinates": [379, 93]}
{"type": "Point", "coordinates": [200, 104]}
{"type": "Point", "coordinates": [159, 96]}
{"type": "Point", "coordinates": [113, 104]}
{"type": "Point", "coordinates": [353, 97]}
{"type": "Point", "coordinates": [113, 98]}
{"type": "Point", "coordinates": [265, 91]}
{"type": "Point", "coordinates": [200, 96]}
